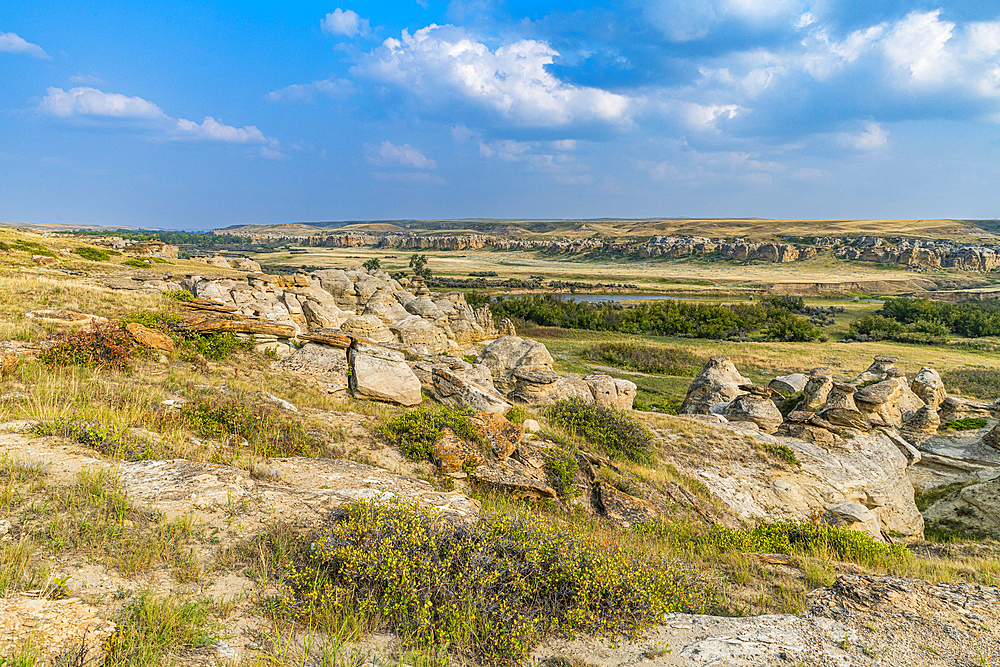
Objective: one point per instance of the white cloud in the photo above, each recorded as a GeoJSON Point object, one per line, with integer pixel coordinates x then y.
{"type": "Point", "coordinates": [345, 22]}
{"type": "Point", "coordinates": [11, 43]}
{"type": "Point", "coordinates": [93, 103]}
{"type": "Point", "coordinates": [85, 101]}
{"type": "Point", "coordinates": [703, 117]}
{"type": "Point", "coordinates": [441, 64]}
{"type": "Point", "coordinates": [561, 167]}
{"type": "Point", "coordinates": [306, 92]}
{"type": "Point", "coordinates": [871, 138]}
{"type": "Point", "coordinates": [405, 156]}
{"type": "Point", "coordinates": [213, 130]}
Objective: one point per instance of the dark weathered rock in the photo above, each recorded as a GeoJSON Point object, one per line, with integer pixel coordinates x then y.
{"type": "Point", "coordinates": [151, 338]}
{"type": "Point", "coordinates": [501, 434]}
{"type": "Point", "coordinates": [621, 508]}
{"type": "Point", "coordinates": [511, 480]}
{"type": "Point", "coordinates": [452, 454]}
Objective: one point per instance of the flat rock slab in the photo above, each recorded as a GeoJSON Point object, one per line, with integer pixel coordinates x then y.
{"type": "Point", "coordinates": [690, 639]}
{"type": "Point", "coordinates": [53, 626]}
{"type": "Point", "coordinates": [303, 490]}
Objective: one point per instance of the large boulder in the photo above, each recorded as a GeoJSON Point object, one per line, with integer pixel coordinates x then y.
{"type": "Point", "coordinates": [841, 397]}
{"type": "Point", "coordinates": [319, 316]}
{"type": "Point", "coordinates": [756, 407]}
{"type": "Point", "coordinates": [384, 306]}
{"type": "Point", "coordinates": [454, 390]}
{"type": "Point", "coordinates": [888, 401]}
{"type": "Point", "coordinates": [870, 471]}
{"type": "Point", "coordinates": [509, 354]}
{"type": "Point", "coordinates": [717, 382]}
{"type": "Point", "coordinates": [794, 382]}
{"type": "Point", "coordinates": [928, 386]}
{"type": "Point", "coordinates": [414, 330]}
{"type": "Point", "coordinates": [382, 374]}
{"type": "Point", "coordinates": [368, 327]}
{"type": "Point", "coordinates": [955, 407]}
{"type": "Point", "coordinates": [325, 364]}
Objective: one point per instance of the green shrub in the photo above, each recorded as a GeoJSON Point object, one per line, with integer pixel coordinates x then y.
{"type": "Point", "coordinates": [148, 630]}
{"type": "Point", "coordinates": [616, 431]}
{"type": "Point", "coordinates": [268, 430]}
{"type": "Point", "coordinates": [32, 247]}
{"type": "Point", "coordinates": [660, 318]}
{"type": "Point", "coordinates": [784, 537]}
{"type": "Point", "coordinates": [560, 468]}
{"type": "Point", "coordinates": [965, 424]}
{"type": "Point", "coordinates": [179, 295]}
{"type": "Point", "coordinates": [780, 452]}
{"type": "Point", "coordinates": [517, 415]}
{"type": "Point", "coordinates": [95, 254]}
{"type": "Point", "coordinates": [214, 346]}
{"type": "Point", "coordinates": [416, 432]}
{"type": "Point", "coordinates": [496, 587]}
{"type": "Point", "coordinates": [646, 358]}
{"type": "Point", "coordinates": [136, 263]}
{"type": "Point", "coordinates": [104, 345]}
{"type": "Point", "coordinates": [108, 440]}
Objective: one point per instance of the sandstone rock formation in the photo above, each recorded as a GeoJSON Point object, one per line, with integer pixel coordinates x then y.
{"type": "Point", "coordinates": [717, 382]}
{"type": "Point", "coordinates": [817, 390]}
{"type": "Point", "coordinates": [928, 386]}
{"type": "Point", "coordinates": [382, 374]}
{"type": "Point", "coordinates": [755, 406]}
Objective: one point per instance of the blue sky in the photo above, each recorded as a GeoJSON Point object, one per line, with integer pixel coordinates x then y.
{"type": "Point", "coordinates": [195, 115]}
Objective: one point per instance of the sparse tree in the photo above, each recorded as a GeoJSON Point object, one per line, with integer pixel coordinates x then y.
{"type": "Point", "coordinates": [372, 264]}
{"type": "Point", "coordinates": [419, 265]}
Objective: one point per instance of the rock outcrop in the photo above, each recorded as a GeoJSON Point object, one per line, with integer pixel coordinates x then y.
{"type": "Point", "coordinates": [382, 374]}
{"type": "Point", "coordinates": [717, 382]}
{"type": "Point", "coordinates": [755, 406]}
{"type": "Point", "coordinates": [928, 386]}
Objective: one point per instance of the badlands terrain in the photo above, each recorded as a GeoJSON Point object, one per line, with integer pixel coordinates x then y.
{"type": "Point", "coordinates": [309, 454]}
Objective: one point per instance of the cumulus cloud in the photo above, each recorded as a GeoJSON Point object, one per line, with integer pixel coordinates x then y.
{"type": "Point", "coordinates": [11, 42]}
{"type": "Point", "coordinates": [346, 23]}
{"type": "Point", "coordinates": [404, 156]}
{"type": "Point", "coordinates": [442, 64]}
{"type": "Point", "coordinates": [85, 102]}
{"type": "Point", "coordinates": [871, 138]}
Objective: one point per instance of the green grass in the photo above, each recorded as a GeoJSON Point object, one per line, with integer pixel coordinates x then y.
{"type": "Point", "coordinates": [646, 358]}
{"type": "Point", "coordinates": [150, 630]}
{"type": "Point", "coordinates": [983, 383]}
{"type": "Point", "coordinates": [803, 539]}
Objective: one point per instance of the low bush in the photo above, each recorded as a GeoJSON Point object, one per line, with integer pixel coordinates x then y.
{"type": "Point", "coordinates": [784, 537]}
{"type": "Point", "coordinates": [179, 295]}
{"type": "Point", "coordinates": [108, 440]}
{"type": "Point", "coordinates": [95, 254]}
{"type": "Point", "coordinates": [965, 424]}
{"type": "Point", "coordinates": [496, 587]}
{"type": "Point", "coordinates": [32, 247]}
{"type": "Point", "coordinates": [136, 263]}
{"type": "Point", "coordinates": [646, 358]}
{"type": "Point", "coordinates": [416, 432]}
{"type": "Point", "coordinates": [149, 630]}
{"type": "Point", "coordinates": [268, 431]}
{"type": "Point", "coordinates": [213, 346]}
{"type": "Point", "coordinates": [616, 431]}
{"type": "Point", "coordinates": [104, 345]}
{"type": "Point", "coordinates": [560, 468]}
{"type": "Point", "coordinates": [780, 452]}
